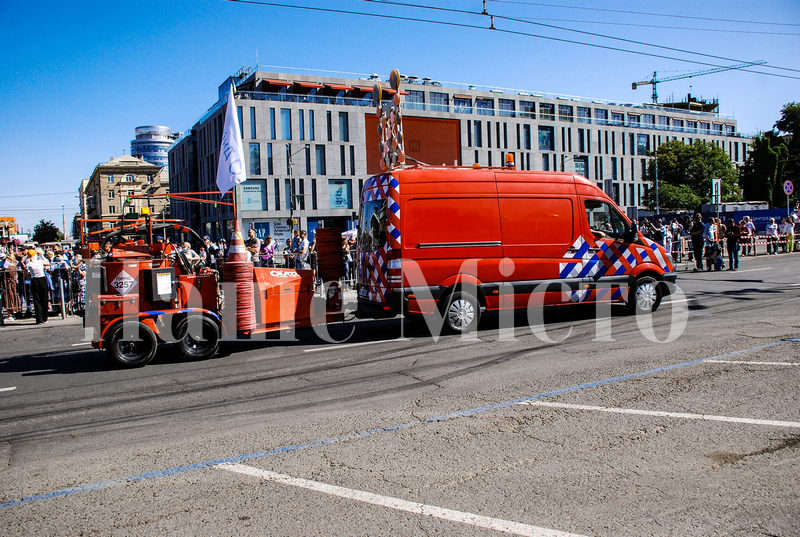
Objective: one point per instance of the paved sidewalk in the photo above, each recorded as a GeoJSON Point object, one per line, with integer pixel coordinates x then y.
{"type": "Point", "coordinates": [30, 323]}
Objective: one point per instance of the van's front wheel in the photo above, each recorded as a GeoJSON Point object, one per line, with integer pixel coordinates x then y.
{"type": "Point", "coordinates": [645, 295]}
{"type": "Point", "coordinates": [462, 313]}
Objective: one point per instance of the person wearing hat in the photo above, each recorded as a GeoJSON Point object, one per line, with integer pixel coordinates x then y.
{"type": "Point", "coordinates": [35, 265]}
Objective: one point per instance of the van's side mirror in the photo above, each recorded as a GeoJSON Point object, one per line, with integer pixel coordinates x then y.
{"type": "Point", "coordinates": [633, 234]}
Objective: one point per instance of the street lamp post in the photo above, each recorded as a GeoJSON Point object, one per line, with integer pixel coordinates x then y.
{"type": "Point", "coordinates": [291, 182]}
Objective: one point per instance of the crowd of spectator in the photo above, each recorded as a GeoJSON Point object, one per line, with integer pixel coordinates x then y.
{"type": "Point", "coordinates": [706, 243]}
{"type": "Point", "coordinates": [36, 281]}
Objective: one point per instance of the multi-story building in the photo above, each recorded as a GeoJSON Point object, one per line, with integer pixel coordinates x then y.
{"type": "Point", "coordinates": [311, 141]}
{"type": "Point", "coordinates": [110, 191]}
{"type": "Point", "coordinates": [152, 144]}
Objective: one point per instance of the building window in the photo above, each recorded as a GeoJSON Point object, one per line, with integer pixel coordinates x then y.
{"type": "Point", "coordinates": [527, 109]}
{"type": "Point", "coordinates": [663, 121]}
{"type": "Point", "coordinates": [439, 102]}
{"type": "Point", "coordinates": [287, 187]}
{"type": "Point", "coordinates": [478, 134]}
{"type": "Point", "coordinates": [272, 123]}
{"type": "Point", "coordinates": [642, 144]}
{"type": "Point", "coordinates": [307, 154]}
{"type": "Point", "coordinates": [255, 159]}
{"type": "Point", "coordinates": [617, 118]}
{"type": "Point", "coordinates": [241, 121]}
{"type": "Point", "coordinates": [286, 124]}
{"type": "Point", "coordinates": [581, 141]}
{"type": "Point", "coordinates": [352, 160]}
{"type": "Point", "coordinates": [717, 128]}
{"type": "Point", "coordinates": [150, 179]}
{"type": "Point", "coordinates": [545, 162]}
{"type": "Point", "coordinates": [678, 123]}
{"type": "Point", "coordinates": [485, 107]}
{"type": "Point", "coordinates": [565, 113]}
{"type": "Point", "coordinates": [343, 161]}
{"type": "Point", "coordinates": [111, 194]}
{"type": "Point", "coordinates": [313, 194]}
{"type": "Point", "coordinates": [253, 123]}
{"type": "Point", "coordinates": [469, 133]}
{"type": "Point", "coordinates": [112, 209]}
{"type": "Point", "coordinates": [584, 114]}
{"type": "Point", "coordinates": [277, 183]}
{"type": "Point", "coordinates": [506, 107]}
{"type": "Point", "coordinates": [546, 138]}
{"type": "Point", "coordinates": [547, 111]}
{"type": "Point", "coordinates": [301, 195]}
{"type": "Point", "coordinates": [344, 127]}
{"type": "Point", "coordinates": [270, 169]}
{"type": "Point", "coordinates": [415, 100]}
{"type": "Point", "coordinates": [462, 104]}
{"type": "Point", "coordinates": [302, 124]}
{"type": "Point", "coordinates": [110, 178]}
{"type": "Point", "coordinates": [633, 120]}
{"type": "Point", "coordinates": [320, 159]}
{"type": "Point", "coordinates": [130, 178]}
{"type": "Point", "coordinates": [340, 193]}
{"type": "Point", "coordinates": [601, 116]}
{"type": "Point", "coordinates": [648, 119]}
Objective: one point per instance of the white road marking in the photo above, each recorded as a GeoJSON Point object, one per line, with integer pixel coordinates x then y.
{"type": "Point", "coordinates": [794, 285]}
{"type": "Point", "coordinates": [346, 345]}
{"type": "Point", "coordinates": [8, 389]}
{"type": "Point", "coordinates": [679, 300]}
{"type": "Point", "coordinates": [682, 415]}
{"type": "Point", "coordinates": [754, 269]}
{"type": "Point", "coordinates": [748, 363]}
{"type": "Point", "coordinates": [496, 524]}
{"type": "Point", "coordinates": [82, 343]}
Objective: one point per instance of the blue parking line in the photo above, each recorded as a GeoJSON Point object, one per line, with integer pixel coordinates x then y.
{"type": "Point", "coordinates": [393, 428]}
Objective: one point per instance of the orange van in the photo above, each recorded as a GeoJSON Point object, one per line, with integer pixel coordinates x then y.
{"type": "Point", "coordinates": [459, 241]}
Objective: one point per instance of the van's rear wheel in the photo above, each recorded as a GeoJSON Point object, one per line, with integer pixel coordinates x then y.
{"type": "Point", "coordinates": [132, 344]}
{"type": "Point", "coordinates": [645, 295]}
{"type": "Point", "coordinates": [462, 312]}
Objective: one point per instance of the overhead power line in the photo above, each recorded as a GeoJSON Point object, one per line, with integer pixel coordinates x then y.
{"type": "Point", "coordinates": [35, 195]}
{"type": "Point", "coordinates": [582, 32]}
{"type": "Point", "coordinates": [626, 12]}
{"type": "Point", "coordinates": [662, 27]}
{"type": "Point", "coordinates": [476, 27]}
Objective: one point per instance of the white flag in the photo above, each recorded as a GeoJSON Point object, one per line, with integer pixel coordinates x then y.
{"type": "Point", "coordinates": [230, 170]}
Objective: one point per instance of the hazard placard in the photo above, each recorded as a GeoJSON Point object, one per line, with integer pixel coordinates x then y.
{"type": "Point", "coordinates": [123, 283]}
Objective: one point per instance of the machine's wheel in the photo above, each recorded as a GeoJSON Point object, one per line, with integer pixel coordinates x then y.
{"type": "Point", "coordinates": [133, 349]}
{"type": "Point", "coordinates": [644, 295]}
{"type": "Point", "coordinates": [461, 311]}
{"type": "Point", "coordinates": [197, 344]}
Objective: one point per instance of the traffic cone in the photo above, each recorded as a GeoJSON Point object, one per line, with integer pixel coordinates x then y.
{"type": "Point", "coordinates": [237, 251]}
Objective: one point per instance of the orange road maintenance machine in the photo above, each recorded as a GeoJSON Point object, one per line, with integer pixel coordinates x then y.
{"type": "Point", "coordinates": [147, 292]}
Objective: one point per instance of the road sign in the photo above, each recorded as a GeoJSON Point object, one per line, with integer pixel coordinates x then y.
{"type": "Point", "coordinates": [788, 187]}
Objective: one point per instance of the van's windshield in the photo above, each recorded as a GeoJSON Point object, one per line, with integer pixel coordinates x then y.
{"type": "Point", "coordinates": [373, 225]}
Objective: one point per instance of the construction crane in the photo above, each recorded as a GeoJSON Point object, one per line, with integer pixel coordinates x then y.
{"type": "Point", "coordinates": [655, 80]}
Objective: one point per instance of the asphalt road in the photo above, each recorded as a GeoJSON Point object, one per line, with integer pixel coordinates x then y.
{"type": "Point", "coordinates": [588, 428]}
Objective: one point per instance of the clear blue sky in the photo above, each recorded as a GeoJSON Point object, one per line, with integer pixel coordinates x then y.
{"type": "Point", "coordinates": [76, 78]}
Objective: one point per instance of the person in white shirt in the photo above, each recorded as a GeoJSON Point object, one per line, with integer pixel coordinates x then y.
{"type": "Point", "coordinates": [35, 266]}
{"type": "Point", "coordinates": [751, 227]}
{"type": "Point", "coordinates": [788, 230]}
{"type": "Point", "coordinates": [301, 251]}
{"type": "Point", "coordinates": [772, 237]}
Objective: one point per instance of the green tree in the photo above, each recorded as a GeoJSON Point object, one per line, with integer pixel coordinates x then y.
{"type": "Point", "coordinates": [685, 173]}
{"type": "Point", "coordinates": [761, 176]}
{"type": "Point", "coordinates": [46, 231]}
